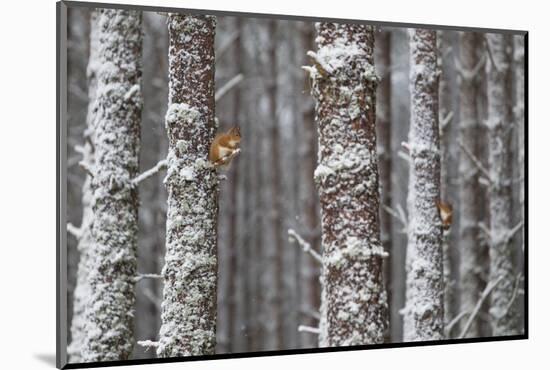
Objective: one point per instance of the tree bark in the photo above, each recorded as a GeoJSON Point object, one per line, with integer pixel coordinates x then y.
{"type": "Point", "coordinates": [116, 136]}
{"type": "Point", "coordinates": [190, 272]}
{"type": "Point", "coordinates": [504, 311]}
{"type": "Point", "coordinates": [85, 240]}
{"type": "Point", "coordinates": [343, 80]}
{"type": "Point", "coordinates": [471, 253]}
{"type": "Point", "coordinates": [423, 312]}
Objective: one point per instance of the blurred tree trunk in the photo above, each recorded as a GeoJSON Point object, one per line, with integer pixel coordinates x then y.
{"type": "Point", "coordinates": [504, 311]}
{"type": "Point", "coordinates": [309, 202]}
{"type": "Point", "coordinates": [116, 136]}
{"type": "Point", "coordinates": [471, 254]}
{"type": "Point", "coordinates": [383, 135]}
{"type": "Point", "coordinates": [423, 312]}
{"type": "Point", "coordinates": [344, 87]}
{"type": "Point", "coordinates": [519, 110]}
{"type": "Point", "coordinates": [190, 271]}
{"type": "Point", "coordinates": [82, 289]}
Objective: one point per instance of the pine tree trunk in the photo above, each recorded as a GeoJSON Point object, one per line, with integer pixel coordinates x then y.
{"type": "Point", "coordinates": [190, 272]}
{"type": "Point", "coordinates": [116, 136]}
{"type": "Point", "coordinates": [423, 312]}
{"type": "Point", "coordinates": [384, 134]}
{"type": "Point", "coordinates": [471, 282]}
{"type": "Point", "coordinates": [82, 289]}
{"type": "Point", "coordinates": [504, 311]}
{"type": "Point", "coordinates": [344, 82]}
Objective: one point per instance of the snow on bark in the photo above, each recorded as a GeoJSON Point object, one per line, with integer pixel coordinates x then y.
{"type": "Point", "coordinates": [471, 253]}
{"type": "Point", "coordinates": [354, 303]}
{"type": "Point", "coordinates": [423, 311]}
{"type": "Point", "coordinates": [82, 288]}
{"type": "Point", "coordinates": [504, 314]}
{"type": "Point", "coordinates": [519, 110]}
{"type": "Point", "coordinates": [112, 260]}
{"type": "Point", "coordinates": [190, 272]}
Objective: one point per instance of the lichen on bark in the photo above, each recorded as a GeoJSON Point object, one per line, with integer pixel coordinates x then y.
{"type": "Point", "coordinates": [112, 259]}
{"type": "Point", "coordinates": [190, 272]}
{"type": "Point", "coordinates": [354, 303]}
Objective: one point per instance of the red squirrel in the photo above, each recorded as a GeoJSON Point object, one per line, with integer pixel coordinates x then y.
{"type": "Point", "coordinates": [446, 214]}
{"type": "Point", "coordinates": [225, 147]}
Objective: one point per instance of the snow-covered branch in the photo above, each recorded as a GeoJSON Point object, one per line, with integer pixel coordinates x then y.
{"type": "Point", "coordinates": [491, 56]}
{"type": "Point", "coordinates": [86, 167]}
{"type": "Point", "coordinates": [470, 74]}
{"type": "Point", "coordinates": [147, 344]}
{"type": "Point", "coordinates": [484, 295]}
{"type": "Point", "coordinates": [309, 329]}
{"type": "Point", "coordinates": [74, 231]}
{"type": "Point", "coordinates": [446, 120]}
{"type": "Point", "coordinates": [140, 277]}
{"type": "Point", "coordinates": [228, 86]}
{"type": "Point", "coordinates": [225, 160]}
{"type": "Point", "coordinates": [512, 232]}
{"type": "Point", "coordinates": [475, 160]}
{"type": "Point", "coordinates": [305, 245]}
{"type": "Point", "coordinates": [161, 165]}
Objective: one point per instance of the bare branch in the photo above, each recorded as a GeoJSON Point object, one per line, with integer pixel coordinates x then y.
{"type": "Point", "coordinates": [476, 161]}
{"type": "Point", "coordinates": [450, 326]}
{"type": "Point", "coordinates": [514, 230]}
{"type": "Point", "coordinates": [446, 120]}
{"type": "Point", "coordinates": [161, 165]}
{"type": "Point", "coordinates": [398, 215]}
{"type": "Point", "coordinates": [470, 74]}
{"type": "Point", "coordinates": [220, 52]}
{"type": "Point", "coordinates": [491, 57]}
{"type": "Point", "coordinates": [228, 86]}
{"type": "Point", "coordinates": [309, 329]}
{"type": "Point", "coordinates": [406, 145]}
{"type": "Point", "coordinates": [484, 295]}
{"type": "Point", "coordinates": [305, 245]}
{"type": "Point", "coordinates": [74, 231]}
{"type": "Point", "coordinates": [225, 160]}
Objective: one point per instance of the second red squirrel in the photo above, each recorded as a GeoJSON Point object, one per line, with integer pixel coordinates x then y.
{"type": "Point", "coordinates": [224, 147]}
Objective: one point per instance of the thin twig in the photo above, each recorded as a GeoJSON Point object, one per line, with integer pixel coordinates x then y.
{"type": "Point", "coordinates": [305, 245]}
{"type": "Point", "coordinates": [477, 307]}
{"type": "Point", "coordinates": [140, 277]}
{"type": "Point", "coordinates": [475, 160]}
{"type": "Point", "coordinates": [446, 120]}
{"type": "Point", "coordinates": [309, 329]}
{"type": "Point", "coordinates": [514, 295]}
{"type": "Point", "coordinates": [514, 230]}
{"type": "Point", "coordinates": [150, 172]}
{"type": "Point", "coordinates": [397, 215]}
{"type": "Point", "coordinates": [490, 52]}
{"type": "Point", "coordinates": [228, 86]}
{"type": "Point", "coordinates": [86, 167]}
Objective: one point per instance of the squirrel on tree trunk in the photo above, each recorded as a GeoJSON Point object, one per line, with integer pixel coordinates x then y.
{"type": "Point", "coordinates": [225, 147]}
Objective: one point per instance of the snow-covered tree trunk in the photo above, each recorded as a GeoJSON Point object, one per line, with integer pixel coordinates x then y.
{"type": "Point", "coordinates": [445, 118]}
{"type": "Point", "coordinates": [504, 315]}
{"type": "Point", "coordinates": [471, 254]}
{"type": "Point", "coordinates": [116, 136]}
{"type": "Point", "coordinates": [423, 312]}
{"type": "Point", "coordinates": [82, 289]}
{"type": "Point", "coordinates": [344, 86]}
{"type": "Point", "coordinates": [190, 272]}
{"type": "Point", "coordinates": [519, 110]}
{"type": "Point", "coordinates": [383, 135]}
